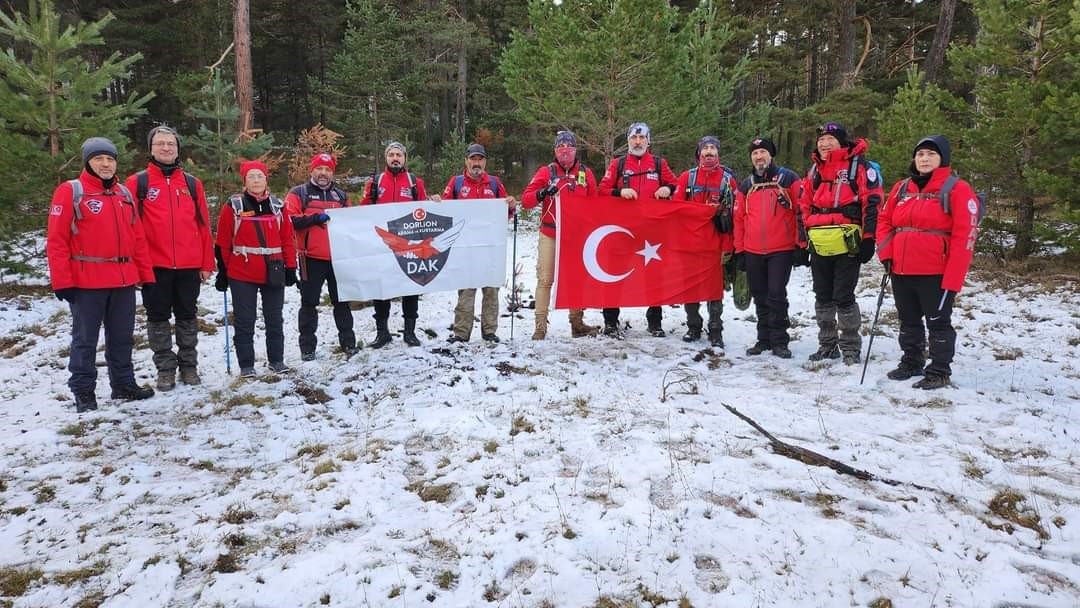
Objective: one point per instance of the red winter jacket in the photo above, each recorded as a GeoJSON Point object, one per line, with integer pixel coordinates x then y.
{"type": "Point", "coordinates": [233, 237]}
{"type": "Point", "coordinates": [177, 239]}
{"type": "Point", "coordinates": [766, 212]}
{"type": "Point", "coordinates": [302, 204]}
{"type": "Point", "coordinates": [640, 174]}
{"type": "Point", "coordinates": [395, 189]}
{"type": "Point", "coordinates": [474, 188]}
{"type": "Point", "coordinates": [105, 248]}
{"type": "Point", "coordinates": [921, 239]}
{"type": "Point", "coordinates": [707, 189]}
{"type": "Point", "coordinates": [823, 205]}
{"type": "Point", "coordinates": [574, 185]}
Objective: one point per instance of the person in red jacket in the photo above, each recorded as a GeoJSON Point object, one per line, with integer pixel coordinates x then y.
{"type": "Point", "coordinates": [767, 230]}
{"type": "Point", "coordinates": [638, 174]}
{"type": "Point", "coordinates": [306, 207]}
{"type": "Point", "coordinates": [572, 181]}
{"type": "Point", "coordinates": [839, 206]}
{"type": "Point", "coordinates": [476, 183]}
{"type": "Point", "coordinates": [395, 185]}
{"type": "Point", "coordinates": [172, 206]}
{"type": "Point", "coordinates": [713, 184]}
{"type": "Point", "coordinates": [97, 255]}
{"type": "Point", "coordinates": [926, 231]}
{"type": "Point", "coordinates": [256, 255]}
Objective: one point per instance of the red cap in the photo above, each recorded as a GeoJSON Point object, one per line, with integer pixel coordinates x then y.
{"type": "Point", "coordinates": [248, 165]}
{"type": "Point", "coordinates": [323, 160]}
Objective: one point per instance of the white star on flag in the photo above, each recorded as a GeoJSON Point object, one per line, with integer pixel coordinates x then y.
{"type": "Point", "coordinates": [650, 252]}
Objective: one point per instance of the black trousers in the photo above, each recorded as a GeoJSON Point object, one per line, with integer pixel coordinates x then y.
{"type": "Point", "coordinates": [653, 315]}
{"type": "Point", "coordinates": [409, 307]}
{"type": "Point", "coordinates": [767, 275]}
{"type": "Point", "coordinates": [245, 300]}
{"type": "Point", "coordinates": [175, 292]}
{"type": "Point", "coordinates": [317, 273]}
{"type": "Point", "coordinates": [919, 297]}
{"type": "Point", "coordinates": [90, 310]}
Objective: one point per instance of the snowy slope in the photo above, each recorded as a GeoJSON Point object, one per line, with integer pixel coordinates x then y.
{"type": "Point", "coordinates": [550, 474]}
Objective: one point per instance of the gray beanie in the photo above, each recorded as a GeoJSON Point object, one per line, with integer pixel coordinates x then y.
{"type": "Point", "coordinates": [395, 144]}
{"type": "Point", "coordinates": [161, 129]}
{"type": "Point", "coordinates": [96, 146]}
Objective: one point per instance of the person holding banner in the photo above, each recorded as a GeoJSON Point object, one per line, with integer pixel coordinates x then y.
{"type": "Point", "coordinates": [256, 256]}
{"type": "Point", "coordinates": [767, 229]}
{"type": "Point", "coordinates": [638, 174]}
{"type": "Point", "coordinates": [839, 205]}
{"type": "Point", "coordinates": [306, 206]}
{"type": "Point", "coordinates": [395, 184]}
{"type": "Point", "coordinates": [476, 183]}
{"type": "Point", "coordinates": [572, 181]}
{"type": "Point", "coordinates": [713, 184]}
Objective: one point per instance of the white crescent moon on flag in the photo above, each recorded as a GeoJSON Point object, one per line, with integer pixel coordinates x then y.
{"type": "Point", "coordinates": [588, 254]}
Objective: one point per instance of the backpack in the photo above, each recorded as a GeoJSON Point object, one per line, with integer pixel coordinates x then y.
{"type": "Point", "coordinates": [142, 187]}
{"type": "Point", "coordinates": [582, 177]}
{"type": "Point", "coordinates": [236, 201]}
{"type": "Point", "coordinates": [725, 190]}
{"type": "Point", "coordinates": [459, 181]}
{"type": "Point", "coordinates": [853, 171]}
{"type": "Point", "coordinates": [76, 198]}
{"type": "Point", "coordinates": [658, 162]}
{"type": "Point", "coordinates": [376, 179]}
{"type": "Point", "coordinates": [943, 196]}
{"type": "Point", "coordinates": [302, 194]}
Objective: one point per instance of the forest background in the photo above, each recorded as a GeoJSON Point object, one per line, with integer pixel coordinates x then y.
{"type": "Point", "coordinates": [276, 79]}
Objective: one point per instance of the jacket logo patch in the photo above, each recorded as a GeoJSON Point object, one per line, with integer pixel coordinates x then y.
{"type": "Point", "coordinates": [871, 175]}
{"type": "Point", "coordinates": [465, 190]}
{"type": "Point", "coordinates": [152, 194]}
{"type": "Point", "coordinates": [405, 193]}
{"type": "Point", "coordinates": [421, 242]}
{"type": "Point", "coordinates": [94, 205]}
{"type": "Point", "coordinates": [57, 210]}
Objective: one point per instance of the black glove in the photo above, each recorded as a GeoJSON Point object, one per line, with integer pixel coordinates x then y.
{"type": "Point", "coordinates": [852, 212]}
{"type": "Point", "coordinates": [866, 250]}
{"type": "Point", "coordinates": [290, 277]}
{"type": "Point", "coordinates": [551, 190]}
{"type": "Point", "coordinates": [800, 257]}
{"type": "Point", "coordinates": [221, 282]}
{"type": "Point", "coordinates": [322, 218]}
{"type": "Point", "coordinates": [740, 262]}
{"type": "Point", "coordinates": [722, 221]}
{"type": "Point", "coordinates": [64, 295]}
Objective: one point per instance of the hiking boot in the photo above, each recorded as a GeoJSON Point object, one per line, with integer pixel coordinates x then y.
{"type": "Point", "coordinates": [85, 402]}
{"type": "Point", "coordinates": [309, 356]}
{"type": "Point", "coordinates": [539, 333]}
{"type": "Point", "coordinates": [932, 381]}
{"type": "Point", "coordinates": [350, 351]}
{"type": "Point", "coordinates": [166, 381]}
{"type": "Point", "coordinates": [409, 333]}
{"type": "Point", "coordinates": [612, 331]}
{"type": "Point", "coordinates": [758, 348]}
{"type": "Point", "coordinates": [826, 352]}
{"type": "Point", "coordinates": [716, 339]}
{"type": "Point", "coordinates": [781, 351]}
{"type": "Point", "coordinates": [132, 392]}
{"type": "Point", "coordinates": [490, 338]}
{"type": "Point", "coordinates": [247, 372]}
{"type": "Point", "coordinates": [190, 376]}
{"type": "Point", "coordinates": [692, 335]}
{"type": "Point", "coordinates": [454, 339]}
{"type": "Point", "coordinates": [382, 334]}
{"type": "Point", "coordinates": [656, 331]}
{"type": "Point", "coordinates": [852, 358]}
{"type": "Point", "coordinates": [904, 372]}
{"type": "Point", "coordinates": [278, 367]}
{"type": "Point", "coordinates": [581, 330]}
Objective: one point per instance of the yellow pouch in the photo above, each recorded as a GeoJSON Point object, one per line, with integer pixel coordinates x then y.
{"type": "Point", "coordinates": [840, 239]}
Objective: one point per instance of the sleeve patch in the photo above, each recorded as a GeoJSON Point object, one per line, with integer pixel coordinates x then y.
{"type": "Point", "coordinates": [57, 210]}
{"type": "Point", "coordinates": [871, 175]}
{"type": "Point", "coordinates": [973, 206]}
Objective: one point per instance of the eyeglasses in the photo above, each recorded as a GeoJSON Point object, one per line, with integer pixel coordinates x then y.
{"type": "Point", "coordinates": [164, 144]}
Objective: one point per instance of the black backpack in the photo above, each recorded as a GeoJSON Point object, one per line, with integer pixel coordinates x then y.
{"type": "Point", "coordinates": [374, 194]}
{"type": "Point", "coordinates": [142, 187]}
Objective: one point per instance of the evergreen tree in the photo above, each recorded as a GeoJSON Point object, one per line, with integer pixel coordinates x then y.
{"type": "Point", "coordinates": [53, 97]}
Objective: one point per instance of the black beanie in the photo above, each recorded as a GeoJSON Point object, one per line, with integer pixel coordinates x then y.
{"type": "Point", "coordinates": [704, 141]}
{"type": "Point", "coordinates": [96, 146]}
{"type": "Point", "coordinates": [937, 143]}
{"type": "Point", "coordinates": [763, 143]}
{"type": "Point", "coordinates": [835, 129]}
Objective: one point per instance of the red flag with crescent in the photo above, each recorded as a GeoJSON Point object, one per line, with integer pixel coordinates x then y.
{"type": "Point", "coordinates": [615, 252]}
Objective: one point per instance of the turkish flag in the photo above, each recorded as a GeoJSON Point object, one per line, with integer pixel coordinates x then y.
{"type": "Point", "coordinates": [614, 252]}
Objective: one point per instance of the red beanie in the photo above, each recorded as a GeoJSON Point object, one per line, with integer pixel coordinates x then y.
{"type": "Point", "coordinates": [248, 165]}
{"type": "Point", "coordinates": [323, 160]}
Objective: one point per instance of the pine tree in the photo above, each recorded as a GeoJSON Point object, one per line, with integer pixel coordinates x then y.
{"type": "Point", "coordinates": [52, 97]}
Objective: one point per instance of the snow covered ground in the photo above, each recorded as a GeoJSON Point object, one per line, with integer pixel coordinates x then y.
{"type": "Point", "coordinates": [551, 474]}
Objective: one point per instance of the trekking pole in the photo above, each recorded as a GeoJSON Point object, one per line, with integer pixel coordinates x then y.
{"type": "Point", "coordinates": [228, 357]}
{"type": "Point", "coordinates": [515, 303]}
{"type": "Point", "coordinates": [880, 299]}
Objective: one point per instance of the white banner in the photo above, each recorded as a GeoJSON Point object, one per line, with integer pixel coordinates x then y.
{"type": "Point", "coordinates": [402, 249]}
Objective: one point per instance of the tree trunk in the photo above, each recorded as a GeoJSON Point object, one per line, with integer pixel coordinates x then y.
{"type": "Point", "coordinates": [935, 58]}
{"type": "Point", "coordinates": [462, 89]}
{"type": "Point", "coordinates": [245, 93]}
{"type": "Point", "coordinates": [841, 77]}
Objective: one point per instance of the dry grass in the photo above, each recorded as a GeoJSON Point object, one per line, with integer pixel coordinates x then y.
{"type": "Point", "coordinates": [325, 467]}
{"type": "Point", "coordinates": [237, 514]}
{"type": "Point", "coordinates": [311, 449]}
{"type": "Point", "coordinates": [70, 577]}
{"type": "Point", "coordinates": [1005, 505]}
{"type": "Point", "coordinates": [15, 581]}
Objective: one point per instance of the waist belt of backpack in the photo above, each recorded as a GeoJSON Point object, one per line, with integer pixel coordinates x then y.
{"type": "Point", "coordinates": [894, 231]}
{"type": "Point", "coordinates": [836, 209]}
{"type": "Point", "coordinates": [97, 260]}
{"type": "Point", "coordinates": [246, 251]}
{"type": "Point", "coordinates": [547, 225]}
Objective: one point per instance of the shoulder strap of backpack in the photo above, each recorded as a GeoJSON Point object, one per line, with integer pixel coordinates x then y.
{"type": "Point", "coordinates": [193, 190]}
{"type": "Point", "coordinates": [236, 201]}
{"type": "Point", "coordinates": [373, 192]}
{"type": "Point", "coordinates": [301, 191]}
{"type": "Point", "coordinates": [459, 181]}
{"type": "Point", "coordinates": [853, 174]}
{"type": "Point", "coordinates": [494, 184]}
{"type": "Point", "coordinates": [621, 170]}
{"type": "Point", "coordinates": [946, 189]}
{"type": "Point", "coordinates": [142, 188]}
{"type": "Point", "coordinates": [76, 199]}
{"type": "Point", "coordinates": [127, 197]}
{"type": "Point", "coordinates": [412, 183]}
{"type": "Point", "coordinates": [690, 183]}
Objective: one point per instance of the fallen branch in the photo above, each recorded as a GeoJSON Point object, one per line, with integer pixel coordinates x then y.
{"type": "Point", "coordinates": [812, 458]}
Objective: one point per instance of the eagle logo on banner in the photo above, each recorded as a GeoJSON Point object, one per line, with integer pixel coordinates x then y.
{"type": "Point", "coordinates": [421, 242]}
